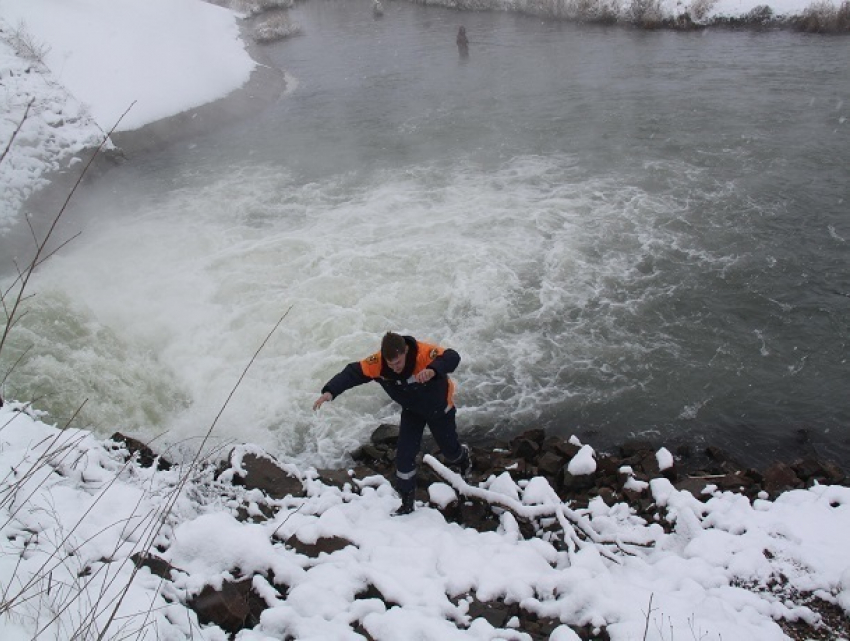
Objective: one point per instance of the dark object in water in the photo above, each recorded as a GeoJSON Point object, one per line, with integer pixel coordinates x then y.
{"type": "Point", "coordinates": [462, 41]}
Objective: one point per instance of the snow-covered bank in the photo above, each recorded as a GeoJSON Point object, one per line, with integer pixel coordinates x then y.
{"type": "Point", "coordinates": [57, 127]}
{"type": "Point", "coordinates": [823, 15]}
{"type": "Point", "coordinates": [74, 513]}
{"type": "Point", "coordinates": [82, 65]}
{"type": "Point", "coordinates": [165, 56]}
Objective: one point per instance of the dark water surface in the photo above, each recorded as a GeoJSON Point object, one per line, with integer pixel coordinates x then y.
{"type": "Point", "coordinates": [624, 233]}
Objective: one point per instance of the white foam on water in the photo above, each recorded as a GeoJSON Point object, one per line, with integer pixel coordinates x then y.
{"type": "Point", "coordinates": [535, 272]}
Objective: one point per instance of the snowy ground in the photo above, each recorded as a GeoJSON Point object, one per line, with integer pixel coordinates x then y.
{"type": "Point", "coordinates": [72, 513]}
{"type": "Point", "coordinates": [89, 61]}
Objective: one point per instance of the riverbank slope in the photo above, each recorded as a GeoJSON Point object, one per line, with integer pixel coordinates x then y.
{"type": "Point", "coordinates": [109, 536]}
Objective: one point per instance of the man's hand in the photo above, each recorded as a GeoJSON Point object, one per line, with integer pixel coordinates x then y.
{"type": "Point", "coordinates": [425, 375]}
{"type": "Point", "coordinates": [324, 398]}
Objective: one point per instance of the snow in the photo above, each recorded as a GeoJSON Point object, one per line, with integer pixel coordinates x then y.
{"type": "Point", "coordinates": [165, 56]}
{"type": "Point", "coordinates": [664, 458]}
{"type": "Point", "coordinates": [156, 58]}
{"type": "Point", "coordinates": [583, 463]}
{"type": "Point", "coordinates": [72, 512]}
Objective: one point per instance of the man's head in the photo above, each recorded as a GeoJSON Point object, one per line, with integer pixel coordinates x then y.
{"type": "Point", "coordinates": [394, 351]}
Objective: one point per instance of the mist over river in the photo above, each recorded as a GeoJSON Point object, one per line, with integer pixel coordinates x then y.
{"type": "Point", "coordinates": [623, 233]}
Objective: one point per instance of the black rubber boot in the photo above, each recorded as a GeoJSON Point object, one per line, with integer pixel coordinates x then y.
{"type": "Point", "coordinates": [407, 504]}
{"type": "Point", "coordinates": [464, 465]}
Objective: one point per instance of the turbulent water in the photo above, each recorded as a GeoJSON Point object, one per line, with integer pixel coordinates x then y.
{"type": "Point", "coordinates": [623, 233]}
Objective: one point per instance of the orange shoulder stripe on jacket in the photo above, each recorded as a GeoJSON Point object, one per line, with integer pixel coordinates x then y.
{"type": "Point", "coordinates": [371, 365]}
{"type": "Point", "coordinates": [425, 354]}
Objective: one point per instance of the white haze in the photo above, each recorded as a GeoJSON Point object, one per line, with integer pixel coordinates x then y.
{"type": "Point", "coordinates": [178, 293]}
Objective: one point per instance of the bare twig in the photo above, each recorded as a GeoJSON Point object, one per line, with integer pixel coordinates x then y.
{"type": "Point", "coordinates": [38, 264]}
{"type": "Point", "coordinates": [14, 365]}
{"type": "Point", "coordinates": [184, 479]}
{"type": "Point", "coordinates": [42, 245]}
{"type": "Point", "coordinates": [648, 614]}
{"type": "Point", "coordinates": [17, 129]}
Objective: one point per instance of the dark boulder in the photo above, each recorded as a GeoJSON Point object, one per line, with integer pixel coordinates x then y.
{"type": "Point", "coordinates": [233, 608]}
{"type": "Point", "coordinates": [265, 474]}
{"type": "Point", "coordinates": [157, 566]}
{"type": "Point", "coordinates": [326, 545]}
{"type": "Point", "coordinates": [146, 456]}
{"type": "Point", "coordinates": [385, 434]}
{"type": "Point", "coordinates": [780, 477]}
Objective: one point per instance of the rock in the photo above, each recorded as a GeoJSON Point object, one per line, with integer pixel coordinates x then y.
{"type": "Point", "coordinates": [486, 461]}
{"type": "Point", "coordinates": [246, 513]}
{"type": "Point", "coordinates": [478, 515]}
{"type": "Point", "coordinates": [824, 472]}
{"type": "Point", "coordinates": [147, 457]}
{"type": "Point", "coordinates": [571, 483]}
{"type": "Point", "coordinates": [648, 464]}
{"type": "Point", "coordinates": [157, 566]}
{"type": "Point", "coordinates": [756, 476]}
{"type": "Point", "coordinates": [495, 613]}
{"type": "Point", "coordinates": [608, 466]}
{"type": "Point", "coordinates": [326, 545]}
{"type": "Point", "coordinates": [371, 592]}
{"type": "Point", "coordinates": [371, 453]}
{"type": "Point", "coordinates": [233, 608]}
{"type": "Point", "coordinates": [385, 434]}
{"type": "Point", "coordinates": [633, 496]}
{"type": "Point", "coordinates": [779, 478]}
{"type": "Point", "coordinates": [562, 448]}
{"type": "Point", "coordinates": [452, 512]}
{"type": "Point", "coordinates": [335, 478]}
{"type": "Point", "coordinates": [550, 464]}
{"type": "Point", "coordinates": [536, 626]}
{"type": "Point", "coordinates": [695, 485]}
{"type": "Point", "coordinates": [526, 449]}
{"type": "Point", "coordinates": [265, 474]}
{"type": "Point", "coordinates": [734, 482]}
{"type": "Point", "coordinates": [608, 496]}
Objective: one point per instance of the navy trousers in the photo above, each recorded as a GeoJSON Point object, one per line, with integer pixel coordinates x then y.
{"type": "Point", "coordinates": [411, 427]}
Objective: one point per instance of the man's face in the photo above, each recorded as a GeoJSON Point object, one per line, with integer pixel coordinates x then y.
{"type": "Point", "coordinates": [397, 364]}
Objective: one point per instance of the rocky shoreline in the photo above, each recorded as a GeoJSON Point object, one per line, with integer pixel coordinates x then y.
{"type": "Point", "coordinates": [621, 477]}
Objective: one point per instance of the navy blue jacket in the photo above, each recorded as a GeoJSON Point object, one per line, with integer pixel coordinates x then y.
{"type": "Point", "coordinates": [437, 395]}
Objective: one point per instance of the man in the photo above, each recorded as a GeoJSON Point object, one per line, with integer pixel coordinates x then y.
{"type": "Point", "coordinates": [416, 376]}
{"type": "Point", "coordinates": [462, 42]}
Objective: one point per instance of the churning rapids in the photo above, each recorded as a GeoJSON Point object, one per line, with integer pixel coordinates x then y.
{"type": "Point", "coordinates": [623, 233]}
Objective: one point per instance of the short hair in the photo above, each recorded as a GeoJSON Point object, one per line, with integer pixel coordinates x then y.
{"type": "Point", "coordinates": [392, 346]}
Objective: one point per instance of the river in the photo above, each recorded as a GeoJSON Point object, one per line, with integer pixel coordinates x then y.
{"type": "Point", "coordinates": [624, 233]}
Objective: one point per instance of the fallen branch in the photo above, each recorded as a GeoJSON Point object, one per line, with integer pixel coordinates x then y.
{"type": "Point", "coordinates": [578, 531]}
